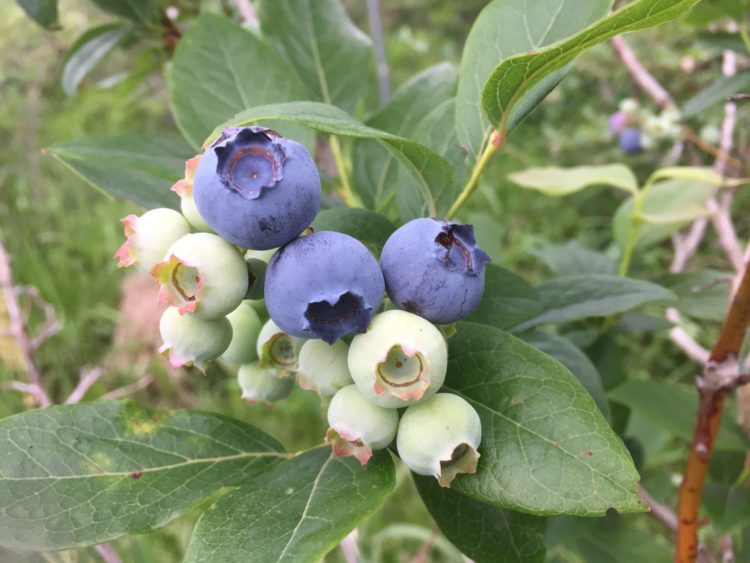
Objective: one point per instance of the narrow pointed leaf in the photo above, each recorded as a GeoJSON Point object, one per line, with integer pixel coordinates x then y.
{"type": "Point", "coordinates": [88, 51]}
{"type": "Point", "coordinates": [43, 12]}
{"type": "Point", "coordinates": [557, 182]}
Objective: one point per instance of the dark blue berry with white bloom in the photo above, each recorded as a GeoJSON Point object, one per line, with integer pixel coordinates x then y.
{"type": "Point", "coordinates": [435, 269]}
{"type": "Point", "coordinates": [323, 285]}
{"type": "Point", "coordinates": [630, 141]}
{"type": "Point", "coordinates": [255, 188]}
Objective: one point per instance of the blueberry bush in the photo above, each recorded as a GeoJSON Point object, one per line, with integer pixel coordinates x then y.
{"type": "Point", "coordinates": [319, 241]}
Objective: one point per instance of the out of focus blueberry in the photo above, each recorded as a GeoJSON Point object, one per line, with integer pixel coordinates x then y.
{"type": "Point", "coordinates": [323, 285]}
{"type": "Point", "coordinates": [255, 188]}
{"type": "Point", "coordinates": [630, 141]}
{"type": "Point", "coordinates": [435, 269]}
{"type": "Point", "coordinates": [617, 122]}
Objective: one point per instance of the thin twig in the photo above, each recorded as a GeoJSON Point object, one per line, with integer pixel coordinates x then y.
{"type": "Point", "coordinates": [350, 548]}
{"type": "Point", "coordinates": [247, 11]}
{"type": "Point", "coordinates": [18, 327]}
{"type": "Point", "coordinates": [381, 65]}
{"type": "Point", "coordinates": [88, 378]}
{"type": "Point", "coordinates": [684, 341]}
{"type": "Point", "coordinates": [661, 512]}
{"type": "Point", "coordinates": [107, 553]}
{"type": "Point", "coordinates": [130, 389]}
{"type": "Point", "coordinates": [641, 75]}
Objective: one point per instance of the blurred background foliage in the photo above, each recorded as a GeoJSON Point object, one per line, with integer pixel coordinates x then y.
{"type": "Point", "coordinates": [62, 235]}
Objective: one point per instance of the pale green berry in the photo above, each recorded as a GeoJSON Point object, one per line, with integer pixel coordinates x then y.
{"type": "Point", "coordinates": [401, 359]}
{"type": "Point", "coordinates": [189, 340]}
{"type": "Point", "coordinates": [261, 385]}
{"type": "Point", "coordinates": [440, 437]}
{"type": "Point", "coordinates": [277, 350]}
{"type": "Point", "coordinates": [184, 188]}
{"type": "Point", "coordinates": [629, 105]}
{"type": "Point", "coordinates": [246, 327]}
{"type": "Point", "coordinates": [357, 427]}
{"type": "Point", "coordinates": [323, 367]}
{"type": "Point", "coordinates": [202, 274]}
{"type": "Point", "coordinates": [149, 237]}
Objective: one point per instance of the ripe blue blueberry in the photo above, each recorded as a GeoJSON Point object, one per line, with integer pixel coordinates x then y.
{"type": "Point", "coordinates": [323, 285]}
{"type": "Point", "coordinates": [255, 188]}
{"type": "Point", "coordinates": [435, 269]}
{"type": "Point", "coordinates": [630, 140]}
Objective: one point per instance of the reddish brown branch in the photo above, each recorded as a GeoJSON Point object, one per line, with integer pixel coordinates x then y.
{"type": "Point", "coordinates": [721, 374]}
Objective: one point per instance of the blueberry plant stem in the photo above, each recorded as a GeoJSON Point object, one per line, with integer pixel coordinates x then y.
{"type": "Point", "coordinates": [720, 375]}
{"type": "Point", "coordinates": [347, 192]}
{"type": "Point", "coordinates": [496, 141]}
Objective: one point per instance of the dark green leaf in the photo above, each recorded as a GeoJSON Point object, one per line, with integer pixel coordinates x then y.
{"type": "Point", "coordinates": [717, 93]}
{"type": "Point", "coordinates": [503, 94]}
{"type": "Point", "coordinates": [505, 28]}
{"type": "Point", "coordinates": [378, 174]}
{"type": "Point", "coordinates": [728, 506]}
{"type": "Point", "coordinates": [573, 258]}
{"type": "Point", "coordinates": [437, 131]}
{"type": "Point", "coordinates": [722, 40]}
{"type": "Point", "coordinates": [143, 12]}
{"type": "Point", "coordinates": [219, 69]}
{"type": "Point", "coordinates": [298, 511]}
{"type": "Point", "coordinates": [431, 172]}
{"type": "Point", "coordinates": [140, 169]}
{"type": "Point", "coordinates": [484, 533]}
{"type": "Point", "coordinates": [330, 54]}
{"type": "Point", "coordinates": [573, 358]}
{"type": "Point", "coordinates": [508, 299]}
{"type": "Point", "coordinates": [575, 297]}
{"type": "Point", "coordinates": [43, 12]}
{"type": "Point", "coordinates": [88, 51]}
{"type": "Point", "coordinates": [702, 295]}
{"type": "Point", "coordinates": [83, 474]}
{"type": "Point", "coordinates": [673, 406]}
{"type": "Point", "coordinates": [367, 226]}
{"type": "Point", "coordinates": [546, 448]}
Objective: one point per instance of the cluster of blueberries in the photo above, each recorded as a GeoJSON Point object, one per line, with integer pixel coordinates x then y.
{"type": "Point", "coordinates": [639, 130]}
{"type": "Point", "coordinates": [242, 248]}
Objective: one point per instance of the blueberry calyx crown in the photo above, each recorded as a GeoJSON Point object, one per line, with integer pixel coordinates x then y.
{"type": "Point", "coordinates": [461, 251]}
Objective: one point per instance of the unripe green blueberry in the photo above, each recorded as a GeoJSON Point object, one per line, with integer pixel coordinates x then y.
{"type": "Point", "coordinates": [323, 367]}
{"type": "Point", "coordinates": [440, 437]}
{"type": "Point", "coordinates": [401, 359]}
{"type": "Point", "coordinates": [357, 427]}
{"type": "Point", "coordinates": [189, 340]}
{"type": "Point", "coordinates": [184, 188]}
{"type": "Point", "coordinates": [149, 236]}
{"type": "Point", "coordinates": [261, 385]}
{"type": "Point", "coordinates": [277, 350]}
{"type": "Point", "coordinates": [629, 105]}
{"type": "Point", "coordinates": [246, 327]}
{"type": "Point", "coordinates": [202, 274]}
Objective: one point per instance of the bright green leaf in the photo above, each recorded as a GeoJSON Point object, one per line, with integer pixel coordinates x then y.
{"type": "Point", "coordinates": [505, 28]}
{"type": "Point", "coordinates": [575, 297]}
{"type": "Point", "coordinates": [685, 214]}
{"type": "Point", "coordinates": [508, 299]}
{"type": "Point", "coordinates": [515, 77]}
{"type": "Point", "coordinates": [557, 182]}
{"type": "Point", "coordinates": [88, 51]}
{"type": "Point", "coordinates": [546, 448]}
{"type": "Point", "coordinates": [484, 533]}
{"type": "Point", "coordinates": [220, 69]}
{"type": "Point", "coordinates": [366, 226]}
{"type": "Point", "coordinates": [298, 511]}
{"type": "Point", "coordinates": [329, 53]}
{"type": "Point", "coordinates": [695, 174]}
{"type": "Point", "coordinates": [431, 172]}
{"type": "Point", "coordinates": [718, 92]}
{"type": "Point", "coordinates": [140, 169]}
{"type": "Point", "coordinates": [43, 12]}
{"type": "Point", "coordinates": [83, 474]}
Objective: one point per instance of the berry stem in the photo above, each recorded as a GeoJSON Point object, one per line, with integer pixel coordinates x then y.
{"type": "Point", "coordinates": [347, 192]}
{"type": "Point", "coordinates": [496, 141]}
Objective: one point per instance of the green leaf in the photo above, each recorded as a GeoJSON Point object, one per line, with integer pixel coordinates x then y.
{"type": "Point", "coordinates": [88, 51]}
{"type": "Point", "coordinates": [43, 12]}
{"type": "Point", "coordinates": [298, 511]}
{"type": "Point", "coordinates": [508, 299]}
{"type": "Point", "coordinates": [140, 169]}
{"type": "Point", "coordinates": [574, 258]}
{"type": "Point", "coordinates": [83, 474]}
{"type": "Point", "coordinates": [557, 182]}
{"type": "Point", "coordinates": [728, 506]}
{"type": "Point", "coordinates": [649, 398]}
{"type": "Point", "coordinates": [378, 174]}
{"type": "Point", "coordinates": [546, 448]}
{"type": "Point", "coordinates": [663, 199]}
{"type": "Point", "coordinates": [484, 533]}
{"type": "Point", "coordinates": [503, 94]}
{"type": "Point", "coordinates": [367, 226]}
{"type": "Point", "coordinates": [329, 53]}
{"type": "Point", "coordinates": [573, 358]}
{"type": "Point", "coordinates": [432, 173]}
{"type": "Point", "coordinates": [437, 131]}
{"type": "Point", "coordinates": [720, 40]}
{"type": "Point", "coordinates": [683, 215]}
{"type": "Point", "coordinates": [696, 174]}
{"type": "Point", "coordinates": [702, 295]}
{"type": "Point", "coordinates": [505, 28]}
{"type": "Point", "coordinates": [575, 297]}
{"type": "Point", "coordinates": [143, 12]}
{"type": "Point", "coordinates": [220, 69]}
{"type": "Point", "coordinates": [716, 93]}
